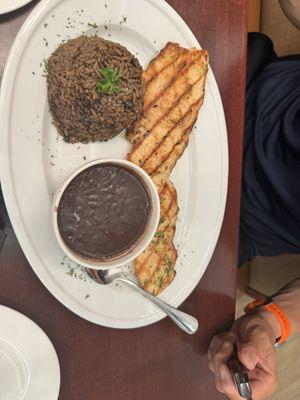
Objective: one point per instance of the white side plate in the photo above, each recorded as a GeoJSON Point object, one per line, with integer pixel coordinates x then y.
{"type": "Point", "coordinates": [29, 368]}
{"type": "Point", "coordinates": [35, 160]}
{"type": "Point", "coordinates": [7, 6]}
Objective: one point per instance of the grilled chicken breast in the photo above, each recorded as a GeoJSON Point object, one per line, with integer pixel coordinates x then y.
{"type": "Point", "coordinates": [174, 94]}
{"type": "Point", "coordinates": [155, 266]}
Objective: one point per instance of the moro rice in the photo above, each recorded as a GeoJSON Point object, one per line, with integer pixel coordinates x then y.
{"type": "Point", "coordinates": [95, 89]}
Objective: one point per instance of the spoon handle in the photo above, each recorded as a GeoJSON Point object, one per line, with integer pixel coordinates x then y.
{"type": "Point", "coordinates": [185, 321]}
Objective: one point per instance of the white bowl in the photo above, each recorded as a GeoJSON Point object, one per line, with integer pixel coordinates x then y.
{"type": "Point", "coordinates": [135, 250]}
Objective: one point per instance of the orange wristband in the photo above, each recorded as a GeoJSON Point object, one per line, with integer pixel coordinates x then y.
{"type": "Point", "coordinates": [278, 313]}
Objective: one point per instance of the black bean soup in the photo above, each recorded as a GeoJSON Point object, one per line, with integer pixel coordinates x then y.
{"type": "Point", "coordinates": [103, 211]}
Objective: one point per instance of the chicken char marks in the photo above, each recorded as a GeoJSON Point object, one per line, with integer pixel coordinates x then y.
{"type": "Point", "coordinates": [175, 81]}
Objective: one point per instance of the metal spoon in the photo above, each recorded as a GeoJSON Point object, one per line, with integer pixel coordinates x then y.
{"type": "Point", "coordinates": [186, 322]}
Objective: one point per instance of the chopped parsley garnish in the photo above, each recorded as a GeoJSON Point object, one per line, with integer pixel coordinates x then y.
{"type": "Point", "coordinates": [160, 282]}
{"type": "Point", "coordinates": [167, 270]}
{"type": "Point", "coordinates": [94, 25]}
{"type": "Point", "coordinates": [71, 272]}
{"type": "Point", "coordinates": [109, 82]}
{"type": "Point", "coordinates": [45, 62]}
{"type": "Point", "coordinates": [162, 220]}
{"type": "Point", "coordinates": [159, 234]}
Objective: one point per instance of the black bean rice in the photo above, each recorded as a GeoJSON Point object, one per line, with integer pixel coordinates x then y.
{"type": "Point", "coordinates": [79, 111]}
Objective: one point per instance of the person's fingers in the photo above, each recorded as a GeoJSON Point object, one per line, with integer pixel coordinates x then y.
{"type": "Point", "coordinates": [225, 384]}
{"type": "Point", "coordinates": [217, 342]}
{"type": "Point", "coordinates": [248, 355]}
{"type": "Point", "coordinates": [214, 346]}
{"type": "Point", "coordinates": [263, 384]}
{"type": "Point", "coordinates": [255, 350]}
{"type": "Point", "coordinates": [256, 345]}
{"type": "Point", "coordinates": [220, 351]}
{"type": "Point", "coordinates": [255, 341]}
{"type": "Point", "coordinates": [224, 352]}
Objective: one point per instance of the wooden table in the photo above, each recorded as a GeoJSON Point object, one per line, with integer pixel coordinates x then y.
{"type": "Point", "coordinates": [157, 362]}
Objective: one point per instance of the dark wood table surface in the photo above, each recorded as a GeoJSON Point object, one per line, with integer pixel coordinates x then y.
{"type": "Point", "coordinates": [157, 362]}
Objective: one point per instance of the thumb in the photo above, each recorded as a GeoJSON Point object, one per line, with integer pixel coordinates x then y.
{"type": "Point", "coordinates": [256, 343]}
{"type": "Point", "coordinates": [248, 355]}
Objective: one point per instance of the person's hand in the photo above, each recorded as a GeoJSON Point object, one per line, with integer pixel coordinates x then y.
{"type": "Point", "coordinates": [255, 338]}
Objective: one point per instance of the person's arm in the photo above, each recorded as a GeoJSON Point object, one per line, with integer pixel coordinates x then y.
{"type": "Point", "coordinates": [288, 299]}
{"type": "Point", "coordinates": [291, 8]}
{"type": "Point", "coordinates": [255, 335]}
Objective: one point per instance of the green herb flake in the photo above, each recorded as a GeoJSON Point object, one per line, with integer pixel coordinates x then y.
{"type": "Point", "coordinates": [145, 282]}
{"type": "Point", "coordinates": [159, 234]}
{"type": "Point", "coordinates": [168, 264]}
{"type": "Point", "coordinates": [167, 270]}
{"type": "Point", "coordinates": [70, 272]}
{"type": "Point", "coordinates": [162, 220]}
{"type": "Point", "coordinates": [109, 82]}
{"type": "Point", "coordinates": [160, 282]}
{"type": "Point", "coordinates": [45, 62]}
{"type": "Point", "coordinates": [94, 25]}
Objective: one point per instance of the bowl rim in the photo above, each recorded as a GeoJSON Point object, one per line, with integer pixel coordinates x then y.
{"type": "Point", "coordinates": [141, 243]}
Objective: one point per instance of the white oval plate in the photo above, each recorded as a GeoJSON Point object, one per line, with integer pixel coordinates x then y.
{"type": "Point", "coordinates": [35, 160]}
{"type": "Point", "coordinates": [29, 367]}
{"type": "Point", "coordinates": [7, 6]}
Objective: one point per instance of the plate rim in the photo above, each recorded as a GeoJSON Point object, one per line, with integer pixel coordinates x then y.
{"type": "Point", "coordinates": [14, 213]}
{"type": "Point", "coordinates": [14, 7]}
{"type": "Point", "coordinates": [39, 331]}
